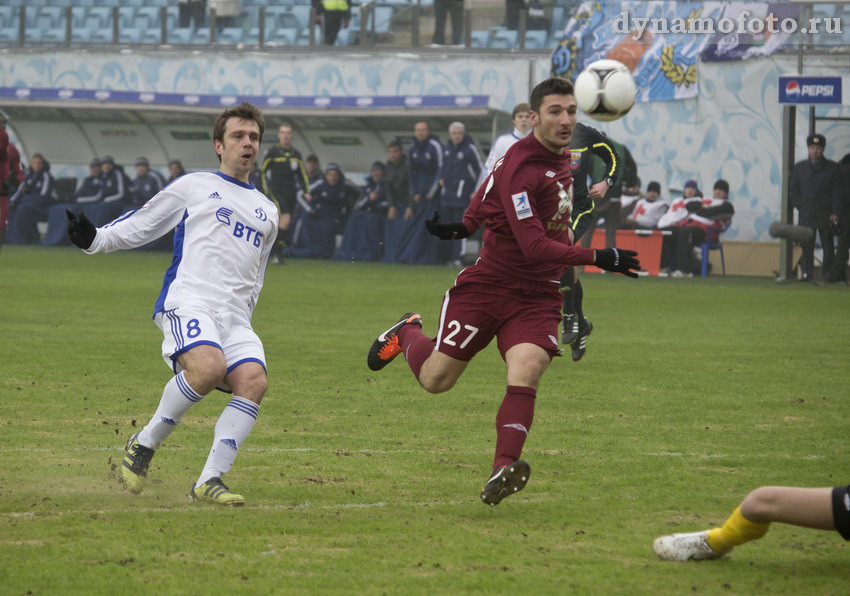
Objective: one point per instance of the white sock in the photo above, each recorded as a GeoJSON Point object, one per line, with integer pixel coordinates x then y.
{"type": "Point", "coordinates": [177, 398]}
{"type": "Point", "coordinates": [231, 430]}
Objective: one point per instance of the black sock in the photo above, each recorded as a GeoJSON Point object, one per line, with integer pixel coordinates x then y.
{"type": "Point", "coordinates": [568, 290]}
{"type": "Point", "coordinates": [579, 297]}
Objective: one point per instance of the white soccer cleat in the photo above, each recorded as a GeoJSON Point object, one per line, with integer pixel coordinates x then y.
{"type": "Point", "coordinates": [684, 547]}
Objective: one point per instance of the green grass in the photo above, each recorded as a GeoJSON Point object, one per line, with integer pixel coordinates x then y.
{"type": "Point", "coordinates": [692, 393]}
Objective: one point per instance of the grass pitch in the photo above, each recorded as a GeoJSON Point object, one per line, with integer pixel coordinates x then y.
{"type": "Point", "coordinates": [692, 393]}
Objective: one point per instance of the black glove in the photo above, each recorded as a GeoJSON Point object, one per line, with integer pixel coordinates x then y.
{"type": "Point", "coordinates": [80, 229]}
{"type": "Point", "coordinates": [693, 206]}
{"type": "Point", "coordinates": [451, 231]}
{"type": "Point", "coordinates": [618, 260]}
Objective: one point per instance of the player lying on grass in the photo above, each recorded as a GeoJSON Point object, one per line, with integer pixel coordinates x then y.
{"type": "Point", "coordinates": [225, 231]}
{"type": "Point", "coordinates": [818, 508]}
{"type": "Point", "coordinates": [512, 291]}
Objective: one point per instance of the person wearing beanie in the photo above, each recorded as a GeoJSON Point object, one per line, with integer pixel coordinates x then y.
{"type": "Point", "coordinates": [30, 203]}
{"type": "Point", "coordinates": [321, 215]}
{"type": "Point", "coordinates": [695, 218]}
{"type": "Point", "coordinates": [816, 191]}
{"type": "Point", "coordinates": [363, 238]}
{"type": "Point", "coordinates": [646, 213]}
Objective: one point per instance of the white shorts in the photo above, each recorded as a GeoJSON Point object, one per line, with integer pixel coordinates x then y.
{"type": "Point", "coordinates": [188, 327]}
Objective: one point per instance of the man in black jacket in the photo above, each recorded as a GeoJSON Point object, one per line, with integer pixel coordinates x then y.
{"type": "Point", "coordinates": [816, 193]}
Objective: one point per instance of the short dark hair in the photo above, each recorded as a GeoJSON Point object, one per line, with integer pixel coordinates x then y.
{"type": "Point", "coordinates": [553, 86]}
{"type": "Point", "coordinates": [245, 111]}
{"type": "Point", "coordinates": [519, 108]}
{"type": "Point", "coordinates": [394, 143]}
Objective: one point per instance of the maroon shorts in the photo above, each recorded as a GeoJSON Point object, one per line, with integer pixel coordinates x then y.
{"type": "Point", "coordinates": [483, 305]}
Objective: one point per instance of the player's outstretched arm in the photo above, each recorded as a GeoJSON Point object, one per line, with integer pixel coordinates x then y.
{"type": "Point", "coordinates": [618, 260]}
{"type": "Point", "coordinates": [80, 229]}
{"type": "Point", "coordinates": [449, 231]}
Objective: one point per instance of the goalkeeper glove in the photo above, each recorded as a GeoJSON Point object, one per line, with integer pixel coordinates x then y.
{"type": "Point", "coordinates": [618, 260]}
{"type": "Point", "coordinates": [80, 229]}
{"type": "Point", "coordinates": [451, 231]}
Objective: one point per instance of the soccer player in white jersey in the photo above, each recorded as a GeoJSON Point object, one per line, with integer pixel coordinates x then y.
{"type": "Point", "coordinates": [225, 231]}
{"type": "Point", "coordinates": [521, 117]}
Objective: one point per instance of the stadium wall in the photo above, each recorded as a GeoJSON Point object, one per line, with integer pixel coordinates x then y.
{"type": "Point", "coordinates": [731, 130]}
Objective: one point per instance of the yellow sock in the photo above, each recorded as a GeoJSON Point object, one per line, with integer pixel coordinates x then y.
{"type": "Point", "coordinates": [737, 530]}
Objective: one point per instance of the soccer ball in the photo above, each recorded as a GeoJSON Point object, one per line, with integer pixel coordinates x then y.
{"type": "Point", "coordinates": [605, 90]}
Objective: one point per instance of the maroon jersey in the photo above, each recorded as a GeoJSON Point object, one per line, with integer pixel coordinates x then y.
{"type": "Point", "coordinates": [525, 204]}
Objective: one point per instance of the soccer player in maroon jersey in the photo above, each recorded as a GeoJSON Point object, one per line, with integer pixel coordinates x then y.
{"type": "Point", "coordinates": [512, 291]}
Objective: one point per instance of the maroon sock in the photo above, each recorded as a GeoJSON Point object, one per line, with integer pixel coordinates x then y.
{"type": "Point", "coordinates": [416, 347]}
{"type": "Point", "coordinates": [513, 423]}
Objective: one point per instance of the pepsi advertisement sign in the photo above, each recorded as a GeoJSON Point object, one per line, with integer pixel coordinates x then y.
{"type": "Point", "coordinates": [810, 90]}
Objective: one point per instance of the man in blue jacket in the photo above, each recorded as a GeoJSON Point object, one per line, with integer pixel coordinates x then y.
{"type": "Point", "coordinates": [425, 160]}
{"type": "Point", "coordinates": [86, 199]}
{"type": "Point", "coordinates": [458, 177]}
{"type": "Point", "coordinates": [116, 192]}
{"type": "Point", "coordinates": [321, 214]}
{"type": "Point", "coordinates": [31, 202]}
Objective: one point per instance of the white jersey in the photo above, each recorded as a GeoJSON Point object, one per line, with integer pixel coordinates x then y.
{"type": "Point", "coordinates": [225, 232]}
{"type": "Point", "coordinates": [498, 150]}
{"type": "Point", "coordinates": [647, 213]}
{"type": "Point", "coordinates": [677, 212]}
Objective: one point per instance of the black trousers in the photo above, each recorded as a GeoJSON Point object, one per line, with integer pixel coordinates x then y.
{"type": "Point", "coordinates": [808, 261]}
{"type": "Point", "coordinates": [442, 9]}
{"type": "Point", "coordinates": [333, 23]}
{"type": "Point", "coordinates": [677, 249]}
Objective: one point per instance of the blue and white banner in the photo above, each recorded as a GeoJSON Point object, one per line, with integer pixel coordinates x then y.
{"type": "Point", "coordinates": [263, 101]}
{"type": "Point", "coordinates": [752, 29]}
{"type": "Point", "coordinates": [659, 41]}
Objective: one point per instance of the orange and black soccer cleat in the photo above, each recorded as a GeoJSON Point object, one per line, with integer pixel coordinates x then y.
{"type": "Point", "coordinates": [386, 347]}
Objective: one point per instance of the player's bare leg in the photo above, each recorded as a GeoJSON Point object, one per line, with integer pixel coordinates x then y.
{"type": "Point", "coordinates": [440, 372]}
{"type": "Point", "coordinates": [204, 368]}
{"type": "Point", "coordinates": [526, 364]}
{"type": "Point", "coordinates": [249, 384]}
{"type": "Point", "coordinates": [806, 507]}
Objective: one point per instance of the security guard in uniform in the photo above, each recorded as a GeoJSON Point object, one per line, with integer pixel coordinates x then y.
{"type": "Point", "coordinates": [585, 141]}
{"type": "Point", "coordinates": [334, 15]}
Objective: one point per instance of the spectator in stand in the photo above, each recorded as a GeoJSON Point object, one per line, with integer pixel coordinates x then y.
{"type": "Point", "coordinates": [817, 192]}
{"type": "Point", "coordinates": [332, 15]}
{"type": "Point", "coordinates": [175, 170]}
{"type": "Point", "coordinates": [459, 174]}
{"type": "Point", "coordinates": [116, 192]}
{"type": "Point", "coordinates": [646, 212]}
{"type": "Point", "coordinates": [701, 215]}
{"type": "Point", "coordinates": [313, 169]}
{"type": "Point", "coordinates": [321, 214]}
{"type": "Point", "coordinates": [146, 184]}
{"type": "Point", "coordinates": [11, 175]}
{"type": "Point", "coordinates": [521, 117]}
{"type": "Point", "coordinates": [191, 13]}
{"type": "Point", "coordinates": [425, 160]}
{"type": "Point", "coordinates": [226, 12]}
{"type": "Point", "coordinates": [363, 239]}
{"type": "Point", "coordinates": [399, 208]}
{"type": "Point", "coordinates": [513, 8]}
{"type": "Point", "coordinates": [31, 202]}
{"type": "Point", "coordinates": [86, 198]}
{"type": "Point", "coordinates": [442, 9]}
